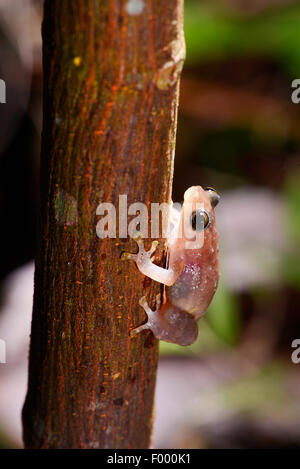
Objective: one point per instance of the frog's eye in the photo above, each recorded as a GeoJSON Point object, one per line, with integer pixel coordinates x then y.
{"type": "Point", "coordinates": [214, 196]}
{"type": "Point", "coordinates": [199, 220]}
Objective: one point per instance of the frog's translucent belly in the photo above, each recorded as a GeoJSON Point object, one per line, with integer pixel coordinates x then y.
{"type": "Point", "coordinates": [194, 288]}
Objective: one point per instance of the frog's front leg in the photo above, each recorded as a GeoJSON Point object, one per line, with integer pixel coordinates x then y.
{"type": "Point", "coordinates": [146, 266]}
{"type": "Point", "coordinates": [151, 315]}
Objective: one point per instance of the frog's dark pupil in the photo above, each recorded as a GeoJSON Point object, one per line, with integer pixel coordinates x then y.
{"type": "Point", "coordinates": [199, 220]}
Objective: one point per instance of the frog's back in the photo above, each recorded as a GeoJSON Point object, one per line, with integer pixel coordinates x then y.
{"type": "Point", "coordinates": [195, 287]}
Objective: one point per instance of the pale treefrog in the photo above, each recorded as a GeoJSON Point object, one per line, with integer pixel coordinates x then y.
{"type": "Point", "coordinates": [192, 270]}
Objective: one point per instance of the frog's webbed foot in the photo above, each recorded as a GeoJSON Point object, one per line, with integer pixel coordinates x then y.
{"type": "Point", "coordinates": [151, 315]}
{"type": "Point", "coordinates": [143, 256]}
{"type": "Point", "coordinates": [145, 265]}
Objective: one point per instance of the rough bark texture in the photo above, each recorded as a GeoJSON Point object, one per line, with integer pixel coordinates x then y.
{"type": "Point", "coordinates": [111, 72]}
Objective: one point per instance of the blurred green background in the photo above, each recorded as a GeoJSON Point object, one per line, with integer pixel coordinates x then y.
{"type": "Point", "coordinates": [238, 131]}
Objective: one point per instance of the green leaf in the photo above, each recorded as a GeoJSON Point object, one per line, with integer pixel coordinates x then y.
{"type": "Point", "coordinates": [224, 315]}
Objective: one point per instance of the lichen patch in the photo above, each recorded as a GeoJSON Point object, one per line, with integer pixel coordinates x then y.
{"type": "Point", "coordinates": [168, 74]}
{"type": "Point", "coordinates": [65, 208]}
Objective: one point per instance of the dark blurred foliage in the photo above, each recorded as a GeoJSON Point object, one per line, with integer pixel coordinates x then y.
{"type": "Point", "coordinates": [18, 201]}
{"type": "Point", "coordinates": [20, 121]}
{"type": "Point", "coordinates": [238, 131]}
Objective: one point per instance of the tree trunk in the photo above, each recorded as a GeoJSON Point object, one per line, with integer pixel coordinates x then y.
{"type": "Point", "coordinates": [111, 76]}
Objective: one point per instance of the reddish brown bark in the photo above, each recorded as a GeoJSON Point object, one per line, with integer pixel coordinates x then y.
{"type": "Point", "coordinates": [110, 106]}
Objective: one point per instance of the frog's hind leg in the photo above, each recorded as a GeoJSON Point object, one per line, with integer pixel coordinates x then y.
{"type": "Point", "coordinates": [151, 315]}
